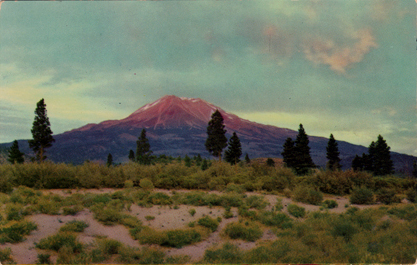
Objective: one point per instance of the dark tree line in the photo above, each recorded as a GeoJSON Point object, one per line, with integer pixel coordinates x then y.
{"type": "Point", "coordinates": [377, 161]}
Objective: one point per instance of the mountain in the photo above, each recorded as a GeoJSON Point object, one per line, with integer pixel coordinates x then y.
{"type": "Point", "coordinates": [177, 126]}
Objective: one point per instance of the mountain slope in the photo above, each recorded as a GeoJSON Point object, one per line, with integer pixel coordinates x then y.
{"type": "Point", "coordinates": [177, 126]}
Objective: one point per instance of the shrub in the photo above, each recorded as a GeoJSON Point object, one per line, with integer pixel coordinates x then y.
{"type": "Point", "coordinates": [343, 228]}
{"type": "Point", "coordinates": [307, 195]}
{"type": "Point", "coordinates": [192, 211]}
{"type": "Point", "coordinates": [14, 212]}
{"type": "Point", "coordinates": [387, 196]}
{"type": "Point", "coordinates": [74, 226]}
{"type": "Point", "coordinates": [227, 254]}
{"type": "Point", "coordinates": [72, 210]}
{"type": "Point", "coordinates": [15, 232]}
{"type": "Point", "coordinates": [128, 184]}
{"type": "Point", "coordinates": [109, 246]}
{"type": "Point", "coordinates": [296, 210]}
{"type": "Point", "coordinates": [146, 184]}
{"type": "Point", "coordinates": [248, 231]}
{"type": "Point", "coordinates": [208, 222]}
{"type": "Point", "coordinates": [180, 237]}
{"type": "Point", "coordinates": [279, 219]}
{"type": "Point", "coordinates": [5, 255]}
{"type": "Point", "coordinates": [57, 241]}
{"type": "Point", "coordinates": [130, 221]}
{"type": "Point", "coordinates": [159, 198]}
{"type": "Point", "coordinates": [149, 217]}
{"type": "Point", "coordinates": [256, 202]}
{"type": "Point", "coordinates": [361, 196]}
{"type": "Point", "coordinates": [44, 259]}
{"type": "Point", "coordinates": [329, 204]}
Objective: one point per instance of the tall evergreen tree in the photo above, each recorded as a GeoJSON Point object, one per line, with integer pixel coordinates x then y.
{"type": "Point", "coordinates": [216, 135]}
{"type": "Point", "coordinates": [381, 158]}
{"type": "Point", "coordinates": [143, 149]}
{"type": "Point", "coordinates": [332, 155]}
{"type": "Point", "coordinates": [234, 151]}
{"type": "Point", "coordinates": [288, 153]}
{"type": "Point", "coordinates": [15, 156]}
{"type": "Point", "coordinates": [109, 160]}
{"type": "Point", "coordinates": [131, 155]}
{"type": "Point", "coordinates": [41, 132]}
{"type": "Point", "coordinates": [304, 163]}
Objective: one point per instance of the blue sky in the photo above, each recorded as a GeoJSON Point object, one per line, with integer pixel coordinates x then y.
{"type": "Point", "coordinates": [336, 66]}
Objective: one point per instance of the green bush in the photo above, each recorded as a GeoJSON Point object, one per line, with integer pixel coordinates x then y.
{"type": "Point", "coordinates": [159, 198]}
{"type": "Point", "coordinates": [227, 254]}
{"type": "Point", "coordinates": [387, 196]}
{"type": "Point", "coordinates": [5, 255]}
{"type": "Point", "coordinates": [74, 226]}
{"type": "Point", "coordinates": [146, 184]}
{"type": "Point", "coordinates": [57, 241]}
{"type": "Point", "coordinates": [277, 219]}
{"type": "Point", "coordinates": [343, 228]}
{"type": "Point", "coordinates": [307, 195]}
{"type": "Point", "coordinates": [149, 217]}
{"type": "Point", "coordinates": [172, 238]}
{"type": "Point", "coordinates": [208, 222]}
{"type": "Point", "coordinates": [72, 210]}
{"type": "Point", "coordinates": [248, 231]}
{"type": "Point", "coordinates": [257, 202]}
{"type": "Point", "coordinates": [44, 259]}
{"type": "Point", "coordinates": [192, 211]}
{"type": "Point", "coordinates": [361, 196]}
{"type": "Point", "coordinates": [329, 204]}
{"type": "Point", "coordinates": [109, 246]}
{"type": "Point", "coordinates": [296, 210]}
{"type": "Point", "coordinates": [15, 232]}
{"type": "Point", "coordinates": [129, 255]}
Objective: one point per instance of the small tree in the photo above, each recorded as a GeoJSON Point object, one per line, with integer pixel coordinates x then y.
{"type": "Point", "coordinates": [270, 162]}
{"type": "Point", "coordinates": [216, 135]}
{"type": "Point", "coordinates": [303, 161]}
{"type": "Point", "coordinates": [288, 153]}
{"type": "Point", "coordinates": [131, 155]}
{"type": "Point", "coordinates": [41, 132]}
{"type": "Point", "coordinates": [187, 161]}
{"type": "Point", "coordinates": [143, 152]}
{"type": "Point", "coordinates": [109, 160]}
{"type": "Point", "coordinates": [247, 159]}
{"type": "Point", "coordinates": [15, 156]}
{"type": "Point", "coordinates": [233, 153]}
{"type": "Point", "coordinates": [333, 162]}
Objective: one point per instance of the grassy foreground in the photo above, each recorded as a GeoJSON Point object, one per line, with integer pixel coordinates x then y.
{"type": "Point", "coordinates": [384, 232]}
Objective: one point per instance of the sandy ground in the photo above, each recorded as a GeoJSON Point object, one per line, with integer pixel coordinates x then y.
{"type": "Point", "coordinates": [165, 218]}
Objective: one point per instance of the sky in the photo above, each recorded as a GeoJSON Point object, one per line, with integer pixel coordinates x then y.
{"type": "Point", "coordinates": [346, 68]}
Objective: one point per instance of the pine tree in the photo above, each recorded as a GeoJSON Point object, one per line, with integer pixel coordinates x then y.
{"type": "Point", "coordinates": [333, 162]}
{"type": "Point", "coordinates": [131, 155]}
{"type": "Point", "coordinates": [357, 163]}
{"type": "Point", "coordinates": [204, 165]}
{"type": "Point", "coordinates": [381, 158]}
{"type": "Point", "coordinates": [15, 156]}
{"type": "Point", "coordinates": [109, 160]}
{"type": "Point", "coordinates": [288, 153]}
{"type": "Point", "coordinates": [187, 161]}
{"type": "Point", "coordinates": [234, 152]}
{"type": "Point", "coordinates": [303, 161]}
{"type": "Point", "coordinates": [216, 135]}
{"type": "Point", "coordinates": [270, 162]}
{"type": "Point", "coordinates": [143, 152]}
{"type": "Point", "coordinates": [41, 132]}
{"type": "Point", "coordinates": [247, 159]}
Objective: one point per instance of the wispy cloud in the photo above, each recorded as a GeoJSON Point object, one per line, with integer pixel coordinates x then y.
{"type": "Point", "coordinates": [340, 58]}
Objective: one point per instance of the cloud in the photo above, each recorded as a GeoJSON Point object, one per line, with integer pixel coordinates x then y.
{"type": "Point", "coordinates": [325, 51]}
